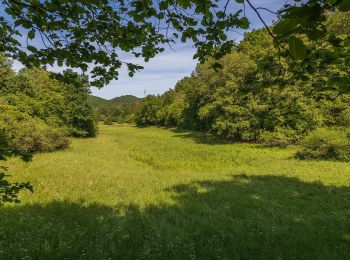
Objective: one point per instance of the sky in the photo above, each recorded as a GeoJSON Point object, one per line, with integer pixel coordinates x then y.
{"type": "Point", "coordinates": [162, 72]}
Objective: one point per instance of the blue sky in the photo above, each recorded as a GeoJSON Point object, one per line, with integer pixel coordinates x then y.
{"type": "Point", "coordinates": [162, 72]}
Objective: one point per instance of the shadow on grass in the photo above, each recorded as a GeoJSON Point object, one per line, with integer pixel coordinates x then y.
{"type": "Point", "coordinates": [199, 137]}
{"type": "Point", "coordinates": [266, 217]}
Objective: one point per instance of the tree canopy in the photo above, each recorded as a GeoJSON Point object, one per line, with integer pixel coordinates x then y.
{"type": "Point", "coordinates": [256, 97]}
{"type": "Point", "coordinates": [94, 33]}
{"type": "Point", "coordinates": [38, 111]}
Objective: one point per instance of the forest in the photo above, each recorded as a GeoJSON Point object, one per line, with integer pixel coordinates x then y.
{"type": "Point", "coordinates": [40, 110]}
{"type": "Point", "coordinates": [119, 109]}
{"type": "Point", "coordinates": [260, 96]}
{"type": "Point", "coordinates": [246, 157]}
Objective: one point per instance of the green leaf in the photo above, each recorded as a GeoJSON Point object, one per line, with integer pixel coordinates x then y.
{"type": "Point", "coordinates": [285, 26]}
{"type": "Point", "coordinates": [339, 82]}
{"type": "Point", "coordinates": [217, 66]}
{"type": "Point", "coordinates": [31, 48]}
{"type": "Point", "coordinates": [183, 37]}
{"type": "Point", "coordinates": [347, 42]}
{"type": "Point", "coordinates": [9, 11]}
{"type": "Point", "coordinates": [344, 6]}
{"type": "Point", "coordinates": [26, 24]}
{"type": "Point", "coordinates": [297, 48]}
{"type": "Point", "coordinates": [244, 23]}
{"type": "Point", "coordinates": [18, 23]}
{"type": "Point", "coordinates": [31, 34]}
{"type": "Point", "coordinates": [220, 14]}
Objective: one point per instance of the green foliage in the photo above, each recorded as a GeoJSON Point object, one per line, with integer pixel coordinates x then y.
{"type": "Point", "coordinates": [98, 102]}
{"type": "Point", "coordinates": [60, 100]}
{"type": "Point", "coordinates": [337, 23]}
{"type": "Point", "coordinates": [128, 119]}
{"type": "Point", "coordinates": [84, 33]}
{"type": "Point", "coordinates": [326, 143]}
{"type": "Point", "coordinates": [146, 113]}
{"type": "Point", "coordinates": [120, 109]}
{"type": "Point", "coordinates": [297, 48]}
{"type": "Point", "coordinates": [108, 121]}
{"type": "Point", "coordinates": [344, 118]}
{"type": "Point", "coordinates": [126, 100]}
{"type": "Point", "coordinates": [172, 114]}
{"type": "Point", "coordinates": [26, 134]}
{"type": "Point", "coordinates": [38, 110]}
{"type": "Point", "coordinates": [281, 137]}
{"type": "Point", "coordinates": [78, 114]}
{"type": "Point", "coordinates": [256, 96]}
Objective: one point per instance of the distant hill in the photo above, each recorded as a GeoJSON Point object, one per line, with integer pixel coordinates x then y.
{"type": "Point", "coordinates": [127, 100]}
{"type": "Point", "coordinates": [119, 109]}
{"type": "Point", "coordinates": [97, 102]}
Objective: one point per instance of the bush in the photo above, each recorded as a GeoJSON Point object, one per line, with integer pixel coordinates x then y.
{"type": "Point", "coordinates": [129, 119]}
{"type": "Point", "coordinates": [108, 121]}
{"type": "Point", "coordinates": [146, 113]}
{"type": "Point", "coordinates": [281, 137]}
{"type": "Point", "coordinates": [344, 118]}
{"type": "Point", "coordinates": [326, 143]}
{"type": "Point", "coordinates": [28, 135]}
{"type": "Point", "coordinates": [83, 127]}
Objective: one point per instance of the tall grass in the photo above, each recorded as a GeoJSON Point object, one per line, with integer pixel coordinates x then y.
{"type": "Point", "coordinates": [141, 193]}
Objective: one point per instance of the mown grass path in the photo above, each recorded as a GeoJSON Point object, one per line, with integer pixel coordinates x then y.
{"type": "Point", "coordinates": [151, 193]}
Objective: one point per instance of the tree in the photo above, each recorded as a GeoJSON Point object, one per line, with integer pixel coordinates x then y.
{"type": "Point", "coordinates": [146, 113]}
{"type": "Point", "coordinates": [78, 113]}
{"type": "Point", "coordinates": [38, 110]}
{"type": "Point", "coordinates": [83, 33]}
{"type": "Point", "coordinates": [256, 97]}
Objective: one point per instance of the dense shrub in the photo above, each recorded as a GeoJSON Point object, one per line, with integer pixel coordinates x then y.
{"type": "Point", "coordinates": [127, 119]}
{"type": "Point", "coordinates": [148, 110]}
{"type": "Point", "coordinates": [60, 100]}
{"type": "Point", "coordinates": [108, 121]}
{"type": "Point", "coordinates": [326, 143]}
{"type": "Point", "coordinates": [83, 126]}
{"type": "Point", "coordinates": [344, 118]}
{"type": "Point", "coordinates": [171, 113]}
{"type": "Point", "coordinates": [281, 137]}
{"type": "Point", "coordinates": [26, 134]}
{"type": "Point", "coordinates": [78, 114]}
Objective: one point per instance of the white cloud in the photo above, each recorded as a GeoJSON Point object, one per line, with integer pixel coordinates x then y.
{"type": "Point", "coordinates": [160, 74]}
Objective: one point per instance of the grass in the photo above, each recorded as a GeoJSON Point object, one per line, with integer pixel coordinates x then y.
{"type": "Point", "coordinates": [151, 193]}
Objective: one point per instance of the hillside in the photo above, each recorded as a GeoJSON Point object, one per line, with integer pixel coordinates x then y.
{"type": "Point", "coordinates": [95, 101]}
{"type": "Point", "coordinates": [98, 102]}
{"type": "Point", "coordinates": [127, 99]}
{"type": "Point", "coordinates": [119, 109]}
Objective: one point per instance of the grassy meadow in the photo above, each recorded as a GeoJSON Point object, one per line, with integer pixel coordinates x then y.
{"type": "Point", "coordinates": [152, 193]}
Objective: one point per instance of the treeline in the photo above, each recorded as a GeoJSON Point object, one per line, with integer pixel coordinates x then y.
{"type": "Point", "coordinates": [39, 110]}
{"type": "Point", "coordinates": [120, 109]}
{"type": "Point", "coordinates": [261, 95]}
